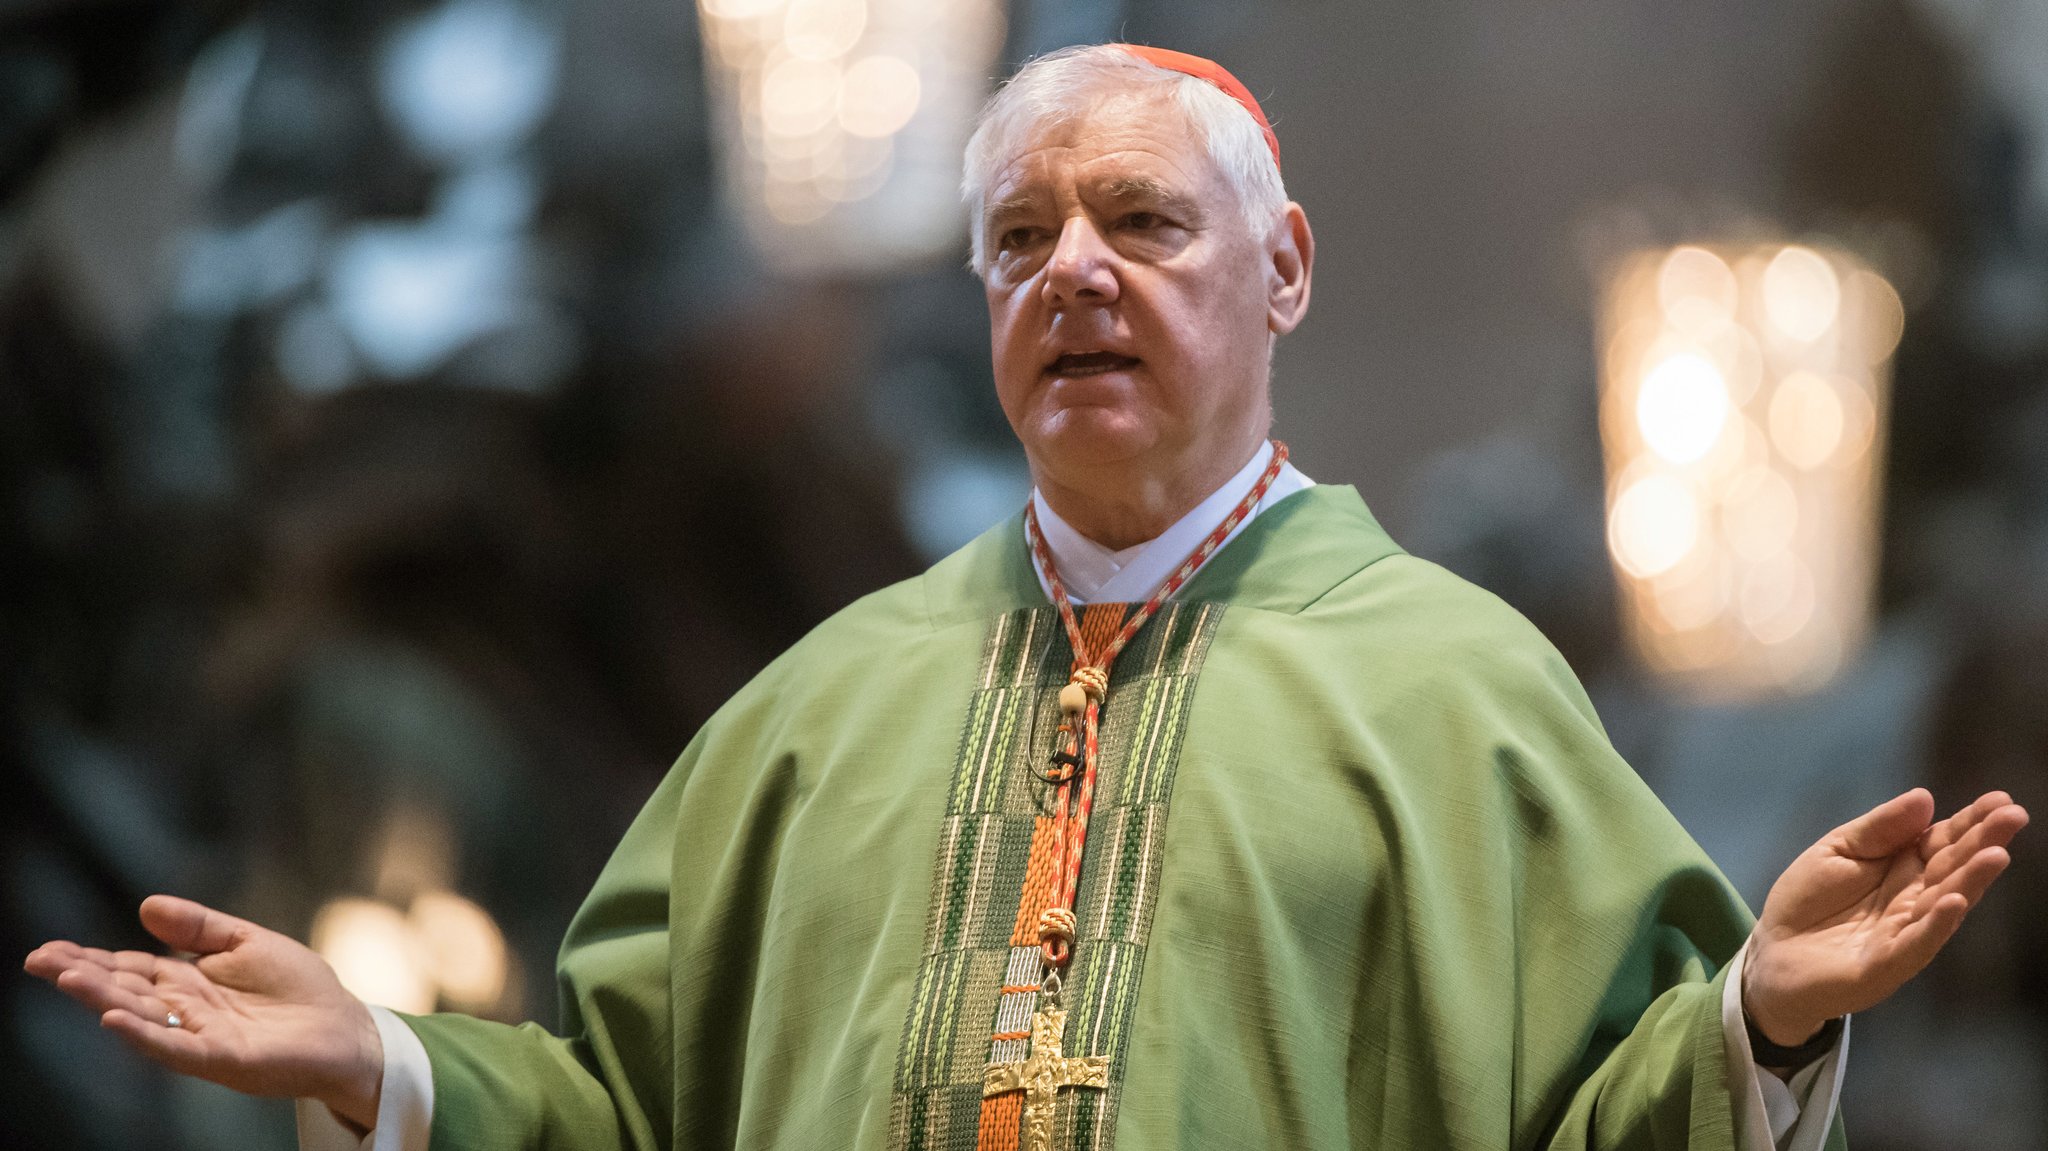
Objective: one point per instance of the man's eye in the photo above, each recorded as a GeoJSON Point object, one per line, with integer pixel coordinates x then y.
{"type": "Point", "coordinates": [1144, 221]}
{"type": "Point", "coordinates": [1014, 238]}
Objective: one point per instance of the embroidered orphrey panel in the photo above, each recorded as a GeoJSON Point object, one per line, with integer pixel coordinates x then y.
{"type": "Point", "coordinates": [977, 979]}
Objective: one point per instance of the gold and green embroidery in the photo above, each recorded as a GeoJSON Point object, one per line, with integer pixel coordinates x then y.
{"type": "Point", "coordinates": [976, 990]}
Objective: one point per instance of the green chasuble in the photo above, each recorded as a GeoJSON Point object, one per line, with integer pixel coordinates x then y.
{"type": "Point", "coordinates": [1363, 871]}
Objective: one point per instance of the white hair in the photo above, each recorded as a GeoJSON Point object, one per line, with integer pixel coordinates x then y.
{"type": "Point", "coordinates": [1063, 86]}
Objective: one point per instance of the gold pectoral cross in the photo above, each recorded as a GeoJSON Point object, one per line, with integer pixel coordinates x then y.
{"type": "Point", "coordinates": [1042, 1074]}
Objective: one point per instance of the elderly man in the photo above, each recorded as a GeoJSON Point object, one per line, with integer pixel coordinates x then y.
{"type": "Point", "coordinates": [1182, 810]}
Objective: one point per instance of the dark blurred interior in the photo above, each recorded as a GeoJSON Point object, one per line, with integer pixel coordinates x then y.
{"type": "Point", "coordinates": [384, 510]}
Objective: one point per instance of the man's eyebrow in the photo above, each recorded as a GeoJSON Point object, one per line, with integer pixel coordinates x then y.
{"type": "Point", "coordinates": [1017, 205]}
{"type": "Point", "coordinates": [1147, 190]}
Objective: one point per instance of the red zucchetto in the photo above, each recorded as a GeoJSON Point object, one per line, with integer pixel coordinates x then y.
{"type": "Point", "coordinates": [1206, 69]}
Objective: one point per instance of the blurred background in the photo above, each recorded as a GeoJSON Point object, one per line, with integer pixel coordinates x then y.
{"type": "Point", "coordinates": [416, 418]}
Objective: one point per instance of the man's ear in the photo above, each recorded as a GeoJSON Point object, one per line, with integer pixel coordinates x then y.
{"type": "Point", "coordinates": [1291, 257]}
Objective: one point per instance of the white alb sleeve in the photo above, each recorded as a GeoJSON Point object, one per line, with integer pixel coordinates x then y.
{"type": "Point", "coordinates": [1772, 1114]}
{"type": "Point", "coordinates": [405, 1109]}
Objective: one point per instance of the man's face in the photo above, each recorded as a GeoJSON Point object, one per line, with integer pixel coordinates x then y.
{"type": "Point", "coordinates": [1127, 298]}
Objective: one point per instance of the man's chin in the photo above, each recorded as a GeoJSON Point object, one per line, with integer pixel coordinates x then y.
{"type": "Point", "coordinates": [1086, 439]}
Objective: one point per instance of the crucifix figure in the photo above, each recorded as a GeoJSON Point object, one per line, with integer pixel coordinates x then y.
{"type": "Point", "coordinates": [1043, 1073]}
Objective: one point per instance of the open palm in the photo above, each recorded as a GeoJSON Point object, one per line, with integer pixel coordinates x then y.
{"type": "Point", "coordinates": [1867, 907]}
{"type": "Point", "coordinates": [257, 1011]}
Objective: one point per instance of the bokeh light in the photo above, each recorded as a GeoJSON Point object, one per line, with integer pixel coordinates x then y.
{"type": "Point", "coordinates": [880, 97]}
{"type": "Point", "coordinates": [1760, 515]}
{"type": "Point", "coordinates": [1656, 521]}
{"type": "Point", "coordinates": [463, 949]}
{"type": "Point", "coordinates": [842, 123]}
{"type": "Point", "coordinates": [470, 78]}
{"type": "Point", "coordinates": [1743, 391]}
{"type": "Point", "coordinates": [374, 953]}
{"type": "Point", "coordinates": [442, 950]}
{"type": "Point", "coordinates": [1806, 419]}
{"type": "Point", "coordinates": [1682, 407]}
{"type": "Point", "coordinates": [1801, 293]}
{"type": "Point", "coordinates": [1696, 289]}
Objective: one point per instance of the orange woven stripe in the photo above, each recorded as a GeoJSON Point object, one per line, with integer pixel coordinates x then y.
{"type": "Point", "coordinates": [1099, 623]}
{"type": "Point", "coordinates": [1014, 988]}
{"type": "Point", "coordinates": [1002, 1035]}
{"type": "Point", "coordinates": [1002, 1121]}
{"type": "Point", "coordinates": [1041, 881]}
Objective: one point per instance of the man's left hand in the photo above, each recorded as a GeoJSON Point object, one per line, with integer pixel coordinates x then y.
{"type": "Point", "coordinates": [1863, 910]}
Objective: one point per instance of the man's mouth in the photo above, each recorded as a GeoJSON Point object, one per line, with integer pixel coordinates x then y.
{"type": "Point", "coordinates": [1090, 364]}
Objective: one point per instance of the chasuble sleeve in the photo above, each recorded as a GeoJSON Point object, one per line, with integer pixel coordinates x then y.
{"type": "Point", "coordinates": [1621, 927]}
{"type": "Point", "coordinates": [605, 1081]}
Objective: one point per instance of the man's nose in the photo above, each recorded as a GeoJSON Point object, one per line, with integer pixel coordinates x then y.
{"type": "Point", "coordinates": [1082, 268]}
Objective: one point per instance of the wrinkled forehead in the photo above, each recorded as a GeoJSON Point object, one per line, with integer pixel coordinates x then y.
{"type": "Point", "coordinates": [1121, 137]}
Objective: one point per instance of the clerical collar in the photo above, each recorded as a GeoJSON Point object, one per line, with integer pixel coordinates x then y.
{"type": "Point", "coordinates": [1094, 573]}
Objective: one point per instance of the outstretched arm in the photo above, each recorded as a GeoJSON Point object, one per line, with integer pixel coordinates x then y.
{"type": "Point", "coordinates": [1867, 907]}
{"type": "Point", "coordinates": [256, 1011]}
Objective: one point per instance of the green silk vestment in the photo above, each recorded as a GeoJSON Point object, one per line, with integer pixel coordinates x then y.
{"type": "Point", "coordinates": [1363, 871]}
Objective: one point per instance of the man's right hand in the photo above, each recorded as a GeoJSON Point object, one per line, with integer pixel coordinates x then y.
{"type": "Point", "coordinates": [257, 1011]}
